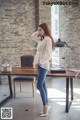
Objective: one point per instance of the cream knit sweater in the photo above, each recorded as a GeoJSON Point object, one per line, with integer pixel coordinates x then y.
{"type": "Point", "coordinates": [44, 51]}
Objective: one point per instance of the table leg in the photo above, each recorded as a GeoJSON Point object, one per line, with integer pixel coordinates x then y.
{"type": "Point", "coordinates": [68, 103]}
{"type": "Point", "coordinates": [10, 86]}
{"type": "Point", "coordinates": [11, 93]}
{"type": "Point", "coordinates": [0, 80]}
{"type": "Point", "coordinates": [67, 94]}
{"type": "Point", "coordinates": [71, 84]}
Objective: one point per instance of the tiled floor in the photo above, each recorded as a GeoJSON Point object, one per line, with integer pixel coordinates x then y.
{"type": "Point", "coordinates": [27, 108]}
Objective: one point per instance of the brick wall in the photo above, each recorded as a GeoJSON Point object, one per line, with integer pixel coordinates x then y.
{"type": "Point", "coordinates": [17, 23]}
{"type": "Point", "coordinates": [20, 18]}
{"type": "Point", "coordinates": [70, 33]}
{"type": "Point", "coordinates": [44, 13]}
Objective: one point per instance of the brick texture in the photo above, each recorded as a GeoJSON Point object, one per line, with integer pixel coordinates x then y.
{"type": "Point", "coordinates": [17, 23]}
{"type": "Point", "coordinates": [70, 33]}
{"type": "Point", "coordinates": [20, 18]}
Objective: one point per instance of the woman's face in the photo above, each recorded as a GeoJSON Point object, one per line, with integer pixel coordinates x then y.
{"type": "Point", "coordinates": [41, 31]}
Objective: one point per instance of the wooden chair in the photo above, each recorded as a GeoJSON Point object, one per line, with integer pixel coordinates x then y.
{"type": "Point", "coordinates": [26, 61]}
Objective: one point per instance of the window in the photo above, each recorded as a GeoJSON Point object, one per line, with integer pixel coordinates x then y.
{"type": "Point", "coordinates": [55, 32]}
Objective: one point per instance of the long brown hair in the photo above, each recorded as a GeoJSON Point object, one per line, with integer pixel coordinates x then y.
{"type": "Point", "coordinates": [47, 32]}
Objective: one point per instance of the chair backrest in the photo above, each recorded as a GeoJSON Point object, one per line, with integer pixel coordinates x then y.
{"type": "Point", "coordinates": [27, 61]}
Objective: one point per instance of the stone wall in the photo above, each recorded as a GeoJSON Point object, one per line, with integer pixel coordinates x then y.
{"type": "Point", "coordinates": [17, 23]}
{"type": "Point", "coordinates": [20, 18]}
{"type": "Point", "coordinates": [70, 33]}
{"type": "Point", "coordinates": [44, 13]}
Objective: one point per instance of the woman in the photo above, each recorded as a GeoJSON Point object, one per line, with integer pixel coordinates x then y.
{"type": "Point", "coordinates": [43, 55]}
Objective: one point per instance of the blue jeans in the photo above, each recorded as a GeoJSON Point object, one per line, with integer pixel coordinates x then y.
{"type": "Point", "coordinates": [41, 85]}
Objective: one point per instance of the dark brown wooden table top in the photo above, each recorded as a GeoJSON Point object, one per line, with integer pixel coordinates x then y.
{"type": "Point", "coordinates": [33, 72]}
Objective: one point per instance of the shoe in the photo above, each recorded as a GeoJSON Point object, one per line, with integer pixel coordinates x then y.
{"type": "Point", "coordinates": [45, 114]}
{"type": "Point", "coordinates": [49, 107]}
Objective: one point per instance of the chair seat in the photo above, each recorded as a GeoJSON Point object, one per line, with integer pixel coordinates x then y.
{"type": "Point", "coordinates": [29, 78]}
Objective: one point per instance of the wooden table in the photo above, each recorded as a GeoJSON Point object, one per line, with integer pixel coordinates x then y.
{"type": "Point", "coordinates": [33, 72]}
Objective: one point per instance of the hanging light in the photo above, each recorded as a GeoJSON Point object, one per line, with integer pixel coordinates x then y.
{"type": "Point", "coordinates": [59, 43]}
